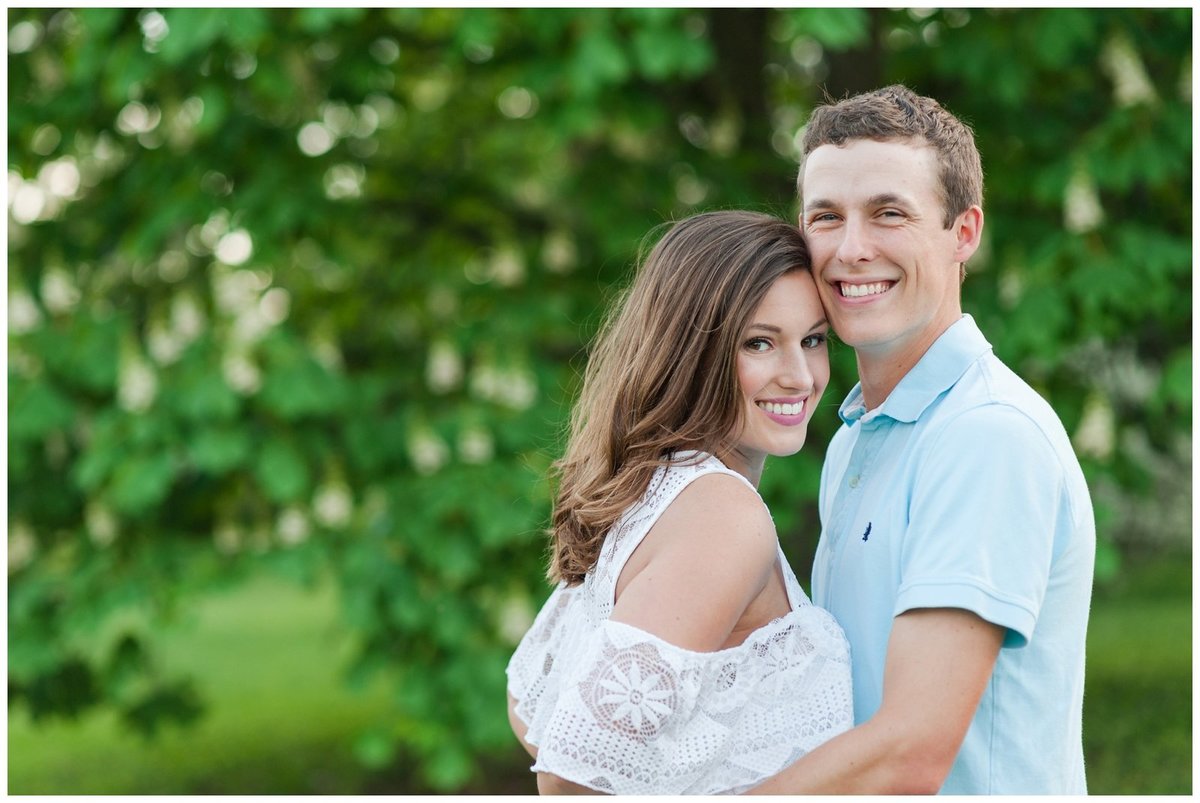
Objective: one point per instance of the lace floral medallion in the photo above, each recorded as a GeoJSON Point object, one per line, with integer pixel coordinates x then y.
{"type": "Point", "coordinates": [632, 691]}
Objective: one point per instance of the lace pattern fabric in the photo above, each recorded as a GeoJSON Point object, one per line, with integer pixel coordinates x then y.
{"type": "Point", "coordinates": [619, 710]}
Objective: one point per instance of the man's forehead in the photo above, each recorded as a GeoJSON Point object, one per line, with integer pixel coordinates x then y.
{"type": "Point", "coordinates": [915, 143]}
{"type": "Point", "coordinates": [869, 169]}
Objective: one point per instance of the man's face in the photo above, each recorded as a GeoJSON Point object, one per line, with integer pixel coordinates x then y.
{"type": "Point", "coordinates": [886, 269]}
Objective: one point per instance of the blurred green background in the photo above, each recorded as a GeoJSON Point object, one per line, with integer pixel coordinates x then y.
{"type": "Point", "coordinates": [298, 301]}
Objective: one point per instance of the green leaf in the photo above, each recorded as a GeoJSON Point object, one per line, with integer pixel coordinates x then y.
{"type": "Point", "coordinates": [297, 385]}
{"type": "Point", "coordinates": [191, 30]}
{"type": "Point", "coordinates": [663, 52]}
{"type": "Point", "coordinates": [199, 393]}
{"type": "Point", "coordinates": [100, 22]}
{"type": "Point", "coordinates": [106, 448]}
{"type": "Point", "coordinates": [1061, 34]}
{"type": "Point", "coordinates": [598, 61]}
{"type": "Point", "coordinates": [218, 450]}
{"type": "Point", "coordinates": [449, 767]}
{"type": "Point", "coordinates": [30, 653]}
{"type": "Point", "coordinates": [127, 661]}
{"type": "Point", "coordinates": [36, 408]}
{"type": "Point", "coordinates": [835, 28]}
{"type": "Point", "coordinates": [281, 471]}
{"type": "Point", "coordinates": [375, 749]}
{"type": "Point", "coordinates": [67, 689]}
{"type": "Point", "coordinates": [1177, 378]}
{"type": "Point", "coordinates": [84, 352]}
{"type": "Point", "coordinates": [141, 482]}
{"type": "Point", "coordinates": [247, 27]}
{"type": "Point", "coordinates": [320, 20]}
{"type": "Point", "coordinates": [167, 702]}
{"type": "Point", "coordinates": [215, 112]}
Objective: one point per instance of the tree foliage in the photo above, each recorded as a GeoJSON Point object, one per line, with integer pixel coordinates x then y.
{"type": "Point", "coordinates": [313, 287]}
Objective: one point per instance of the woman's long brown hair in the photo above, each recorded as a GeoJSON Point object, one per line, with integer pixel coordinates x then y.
{"type": "Point", "coordinates": [662, 375]}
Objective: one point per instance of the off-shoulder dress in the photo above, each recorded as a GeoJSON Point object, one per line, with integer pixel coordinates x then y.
{"type": "Point", "coordinates": [619, 710]}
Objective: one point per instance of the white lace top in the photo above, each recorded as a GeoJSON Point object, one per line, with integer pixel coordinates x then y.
{"type": "Point", "coordinates": [619, 710]}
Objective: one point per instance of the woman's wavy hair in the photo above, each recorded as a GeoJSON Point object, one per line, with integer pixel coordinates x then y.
{"type": "Point", "coordinates": [662, 375]}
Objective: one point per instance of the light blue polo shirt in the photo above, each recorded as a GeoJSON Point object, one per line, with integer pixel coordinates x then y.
{"type": "Point", "coordinates": [961, 490]}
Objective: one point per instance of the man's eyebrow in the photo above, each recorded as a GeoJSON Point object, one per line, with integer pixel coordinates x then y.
{"type": "Point", "coordinates": [882, 199]}
{"type": "Point", "coordinates": [887, 198]}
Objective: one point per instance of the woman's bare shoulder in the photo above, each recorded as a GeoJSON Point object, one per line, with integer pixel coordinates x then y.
{"type": "Point", "coordinates": [720, 508]}
{"type": "Point", "coordinates": [705, 560]}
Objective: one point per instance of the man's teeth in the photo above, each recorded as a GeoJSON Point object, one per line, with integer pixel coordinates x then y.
{"type": "Point", "coordinates": [860, 290]}
{"type": "Point", "coordinates": [782, 409]}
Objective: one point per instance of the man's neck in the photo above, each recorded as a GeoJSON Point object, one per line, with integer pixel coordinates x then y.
{"type": "Point", "coordinates": [880, 372]}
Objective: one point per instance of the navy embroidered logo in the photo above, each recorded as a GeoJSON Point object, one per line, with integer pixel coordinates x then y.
{"type": "Point", "coordinates": [867, 532]}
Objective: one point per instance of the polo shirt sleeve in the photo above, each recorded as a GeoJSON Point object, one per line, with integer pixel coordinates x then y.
{"type": "Point", "coordinates": [981, 520]}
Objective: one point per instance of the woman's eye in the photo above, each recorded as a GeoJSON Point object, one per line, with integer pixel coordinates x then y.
{"type": "Point", "coordinates": [757, 344]}
{"type": "Point", "coordinates": [813, 341]}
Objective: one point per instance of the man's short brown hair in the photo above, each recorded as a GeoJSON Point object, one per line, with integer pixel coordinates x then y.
{"type": "Point", "coordinates": [897, 113]}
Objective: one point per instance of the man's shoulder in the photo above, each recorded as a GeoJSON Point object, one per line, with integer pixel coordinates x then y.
{"type": "Point", "coordinates": [989, 387]}
{"type": "Point", "coordinates": [992, 409]}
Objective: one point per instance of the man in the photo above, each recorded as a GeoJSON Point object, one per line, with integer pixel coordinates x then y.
{"type": "Point", "coordinates": [958, 538]}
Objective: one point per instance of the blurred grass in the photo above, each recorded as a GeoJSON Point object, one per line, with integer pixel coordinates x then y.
{"type": "Point", "coordinates": [280, 721]}
{"type": "Point", "coordinates": [1137, 709]}
{"type": "Point", "coordinates": [266, 659]}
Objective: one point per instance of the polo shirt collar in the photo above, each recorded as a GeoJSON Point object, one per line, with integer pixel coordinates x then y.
{"type": "Point", "coordinates": [940, 367]}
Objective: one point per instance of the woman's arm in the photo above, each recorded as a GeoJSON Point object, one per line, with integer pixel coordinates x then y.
{"type": "Point", "coordinates": [519, 728]}
{"type": "Point", "coordinates": [553, 785]}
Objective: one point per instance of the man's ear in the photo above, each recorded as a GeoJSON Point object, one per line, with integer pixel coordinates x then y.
{"type": "Point", "coordinates": [968, 231]}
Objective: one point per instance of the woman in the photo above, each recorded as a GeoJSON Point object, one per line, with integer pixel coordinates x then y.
{"type": "Point", "coordinates": [678, 654]}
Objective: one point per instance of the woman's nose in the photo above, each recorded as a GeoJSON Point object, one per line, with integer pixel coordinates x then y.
{"type": "Point", "coordinates": [795, 372]}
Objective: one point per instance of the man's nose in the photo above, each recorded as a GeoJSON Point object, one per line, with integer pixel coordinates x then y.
{"type": "Point", "coordinates": [856, 245]}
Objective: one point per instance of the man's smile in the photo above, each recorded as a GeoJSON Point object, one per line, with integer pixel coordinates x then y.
{"type": "Point", "coordinates": [849, 290]}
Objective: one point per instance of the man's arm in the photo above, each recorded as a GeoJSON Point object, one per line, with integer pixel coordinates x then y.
{"type": "Point", "coordinates": [939, 661]}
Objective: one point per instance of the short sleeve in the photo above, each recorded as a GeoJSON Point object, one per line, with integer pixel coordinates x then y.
{"type": "Point", "coordinates": [531, 670]}
{"type": "Point", "coordinates": [982, 521]}
{"type": "Point", "coordinates": [637, 715]}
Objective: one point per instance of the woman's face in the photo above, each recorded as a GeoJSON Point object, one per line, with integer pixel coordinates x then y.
{"type": "Point", "coordinates": [782, 368]}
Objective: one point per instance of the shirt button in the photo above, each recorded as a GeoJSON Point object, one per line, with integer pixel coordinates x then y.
{"type": "Point", "coordinates": [854, 481]}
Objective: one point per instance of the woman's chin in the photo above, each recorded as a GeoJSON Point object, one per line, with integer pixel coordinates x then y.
{"type": "Point", "coordinates": [788, 450]}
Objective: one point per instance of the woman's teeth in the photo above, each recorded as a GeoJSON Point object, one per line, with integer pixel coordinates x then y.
{"type": "Point", "coordinates": [782, 409]}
